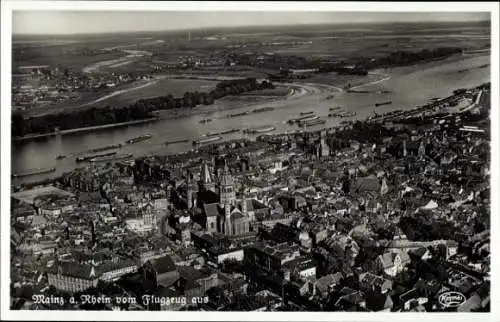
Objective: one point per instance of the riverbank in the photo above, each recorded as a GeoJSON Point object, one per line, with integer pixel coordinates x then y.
{"type": "Point", "coordinates": [123, 91]}
{"type": "Point", "coordinates": [84, 129]}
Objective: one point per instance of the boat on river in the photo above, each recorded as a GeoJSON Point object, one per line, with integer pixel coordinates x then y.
{"type": "Point", "coordinates": [306, 113]}
{"type": "Point", "coordinates": [139, 139]}
{"type": "Point", "coordinates": [176, 141]}
{"type": "Point", "coordinates": [112, 157]}
{"type": "Point", "coordinates": [301, 118]}
{"type": "Point", "coordinates": [308, 119]}
{"type": "Point", "coordinates": [84, 158]}
{"type": "Point", "coordinates": [258, 130]}
{"type": "Point", "coordinates": [207, 140]}
{"type": "Point", "coordinates": [312, 122]}
{"type": "Point", "coordinates": [104, 148]}
{"type": "Point", "coordinates": [205, 121]}
{"type": "Point", "coordinates": [236, 114]}
{"type": "Point", "coordinates": [230, 131]}
{"type": "Point", "coordinates": [60, 157]}
{"type": "Point", "coordinates": [343, 114]}
{"type": "Point", "coordinates": [33, 172]}
{"type": "Point", "coordinates": [383, 103]}
{"type": "Point", "coordinates": [263, 109]}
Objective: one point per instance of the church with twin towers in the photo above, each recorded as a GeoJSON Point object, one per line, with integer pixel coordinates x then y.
{"type": "Point", "coordinates": [216, 203]}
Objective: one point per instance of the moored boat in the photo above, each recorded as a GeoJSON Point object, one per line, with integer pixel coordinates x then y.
{"type": "Point", "coordinates": [262, 129]}
{"type": "Point", "coordinates": [236, 114]}
{"type": "Point", "coordinates": [207, 140]}
{"type": "Point", "coordinates": [298, 119]}
{"type": "Point", "coordinates": [139, 139]}
{"type": "Point", "coordinates": [383, 103]}
{"type": "Point", "coordinates": [204, 121]}
{"type": "Point", "coordinates": [33, 172]}
{"type": "Point", "coordinates": [308, 119]}
{"type": "Point", "coordinates": [104, 148]}
{"type": "Point", "coordinates": [263, 109]}
{"type": "Point", "coordinates": [84, 158]}
{"type": "Point", "coordinates": [112, 157]}
{"type": "Point", "coordinates": [176, 141]}
{"type": "Point", "coordinates": [230, 131]}
{"type": "Point", "coordinates": [313, 122]}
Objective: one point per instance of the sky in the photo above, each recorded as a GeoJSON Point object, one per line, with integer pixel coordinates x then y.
{"type": "Point", "coordinates": [88, 22]}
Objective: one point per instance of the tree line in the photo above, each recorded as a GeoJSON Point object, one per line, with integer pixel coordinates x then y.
{"type": "Point", "coordinates": [141, 109]}
{"type": "Point", "coordinates": [362, 65]}
{"type": "Point", "coordinates": [359, 66]}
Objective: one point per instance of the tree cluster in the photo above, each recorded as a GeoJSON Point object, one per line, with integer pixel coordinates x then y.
{"type": "Point", "coordinates": [424, 230]}
{"type": "Point", "coordinates": [141, 109]}
{"type": "Point", "coordinates": [398, 58]}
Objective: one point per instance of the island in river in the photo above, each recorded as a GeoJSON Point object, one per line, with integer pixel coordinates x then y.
{"type": "Point", "coordinates": [408, 87]}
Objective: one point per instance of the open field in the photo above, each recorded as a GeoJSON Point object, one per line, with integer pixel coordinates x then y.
{"type": "Point", "coordinates": [335, 41]}
{"type": "Point", "coordinates": [127, 94]}
{"type": "Point", "coordinates": [28, 196]}
{"type": "Point", "coordinates": [62, 56]}
{"type": "Point", "coordinates": [343, 81]}
{"type": "Point", "coordinates": [162, 87]}
{"type": "Point", "coordinates": [329, 42]}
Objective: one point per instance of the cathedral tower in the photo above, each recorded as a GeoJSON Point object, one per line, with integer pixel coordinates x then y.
{"type": "Point", "coordinates": [227, 193]}
{"type": "Point", "coordinates": [206, 178]}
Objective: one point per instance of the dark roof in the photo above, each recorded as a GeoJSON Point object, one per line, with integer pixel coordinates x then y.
{"type": "Point", "coordinates": [208, 197]}
{"type": "Point", "coordinates": [211, 210]}
{"type": "Point", "coordinates": [74, 270]}
{"type": "Point", "coordinates": [236, 215]}
{"type": "Point", "coordinates": [353, 298]}
{"type": "Point", "coordinates": [376, 301]}
{"type": "Point", "coordinates": [418, 252]}
{"type": "Point", "coordinates": [190, 273]}
{"type": "Point", "coordinates": [166, 292]}
{"type": "Point", "coordinates": [370, 183]}
{"type": "Point", "coordinates": [255, 205]}
{"type": "Point", "coordinates": [387, 260]}
{"type": "Point", "coordinates": [163, 264]}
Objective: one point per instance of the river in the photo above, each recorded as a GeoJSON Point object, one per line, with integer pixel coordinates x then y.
{"type": "Point", "coordinates": [407, 86]}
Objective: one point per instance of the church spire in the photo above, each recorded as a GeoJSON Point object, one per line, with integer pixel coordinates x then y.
{"type": "Point", "coordinates": [227, 193]}
{"type": "Point", "coordinates": [205, 174]}
{"type": "Point", "coordinates": [244, 207]}
{"type": "Point", "coordinates": [206, 179]}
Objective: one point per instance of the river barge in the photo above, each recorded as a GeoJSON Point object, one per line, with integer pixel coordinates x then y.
{"type": "Point", "coordinates": [176, 141]}
{"type": "Point", "coordinates": [259, 130]}
{"type": "Point", "coordinates": [312, 122]}
{"type": "Point", "coordinates": [207, 140]}
{"type": "Point", "coordinates": [84, 158]}
{"type": "Point", "coordinates": [383, 103]}
{"type": "Point", "coordinates": [139, 139]}
{"type": "Point", "coordinates": [112, 157]}
{"type": "Point", "coordinates": [205, 121]}
{"type": "Point", "coordinates": [298, 119]}
{"type": "Point", "coordinates": [236, 114]}
{"type": "Point", "coordinates": [263, 109]}
{"type": "Point", "coordinates": [104, 148]}
{"type": "Point", "coordinates": [33, 172]}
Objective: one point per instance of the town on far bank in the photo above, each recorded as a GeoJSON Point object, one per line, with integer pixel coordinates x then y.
{"type": "Point", "coordinates": [389, 214]}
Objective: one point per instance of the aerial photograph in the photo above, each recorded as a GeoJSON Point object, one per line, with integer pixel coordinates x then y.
{"type": "Point", "coordinates": [250, 161]}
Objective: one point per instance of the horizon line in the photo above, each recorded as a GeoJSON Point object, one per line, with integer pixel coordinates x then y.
{"type": "Point", "coordinates": [252, 26]}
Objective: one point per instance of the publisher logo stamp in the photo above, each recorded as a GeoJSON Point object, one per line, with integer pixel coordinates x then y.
{"type": "Point", "coordinates": [451, 299]}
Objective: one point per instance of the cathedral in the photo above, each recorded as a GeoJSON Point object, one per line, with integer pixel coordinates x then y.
{"type": "Point", "coordinates": [214, 198]}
